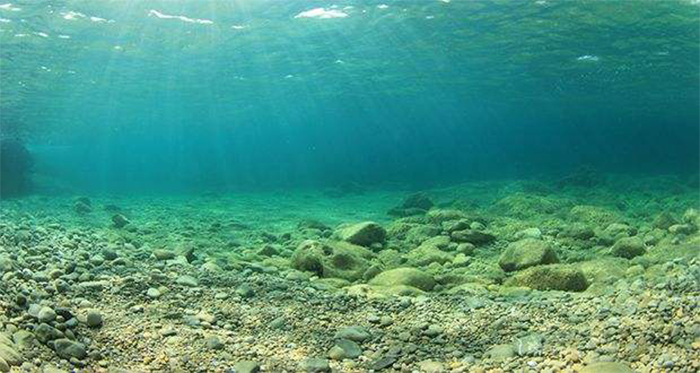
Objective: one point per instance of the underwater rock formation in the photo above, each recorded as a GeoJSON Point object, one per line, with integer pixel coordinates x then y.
{"type": "Point", "coordinates": [15, 168]}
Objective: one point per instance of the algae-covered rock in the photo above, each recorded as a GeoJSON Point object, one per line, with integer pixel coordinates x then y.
{"type": "Point", "coordinates": [439, 215]}
{"type": "Point", "coordinates": [521, 205]}
{"type": "Point", "coordinates": [404, 276]}
{"type": "Point", "coordinates": [628, 247]}
{"type": "Point", "coordinates": [594, 215]}
{"type": "Point", "coordinates": [332, 259]}
{"type": "Point", "coordinates": [426, 254]}
{"type": "Point", "coordinates": [579, 231]}
{"type": "Point", "coordinates": [664, 220]}
{"type": "Point", "coordinates": [526, 253]}
{"type": "Point", "coordinates": [363, 234]}
{"type": "Point", "coordinates": [551, 277]}
{"type": "Point", "coordinates": [472, 236]}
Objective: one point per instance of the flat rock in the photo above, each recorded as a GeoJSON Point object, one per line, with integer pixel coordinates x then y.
{"type": "Point", "coordinates": [606, 367]}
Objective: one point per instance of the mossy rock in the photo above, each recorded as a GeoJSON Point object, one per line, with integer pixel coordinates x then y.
{"type": "Point", "coordinates": [332, 259]}
{"type": "Point", "coordinates": [628, 247]}
{"type": "Point", "coordinates": [442, 215]}
{"type": "Point", "coordinates": [426, 254]}
{"type": "Point", "coordinates": [363, 234]}
{"type": "Point", "coordinates": [527, 253]}
{"type": "Point", "coordinates": [405, 276]}
{"type": "Point", "coordinates": [551, 277]}
{"type": "Point", "coordinates": [595, 215]}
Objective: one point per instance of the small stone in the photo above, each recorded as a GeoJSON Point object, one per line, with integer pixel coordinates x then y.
{"type": "Point", "coordinates": [186, 280]}
{"type": "Point", "coordinates": [163, 254]}
{"type": "Point", "coordinates": [153, 293]}
{"type": "Point", "coordinates": [350, 349]}
{"type": "Point", "coordinates": [429, 366]}
{"type": "Point", "coordinates": [433, 331]}
{"type": "Point", "coordinates": [246, 367]}
{"type": "Point", "coordinates": [315, 365]}
{"type": "Point", "coordinates": [353, 333]}
{"type": "Point", "coordinates": [93, 319]}
{"type": "Point", "coordinates": [120, 221]}
{"type": "Point", "coordinates": [214, 343]}
{"type": "Point", "coordinates": [67, 349]}
{"type": "Point", "coordinates": [46, 314]}
{"type": "Point", "coordinates": [245, 291]}
{"type": "Point", "coordinates": [501, 352]}
{"type": "Point", "coordinates": [168, 331]}
{"type": "Point", "coordinates": [606, 367]}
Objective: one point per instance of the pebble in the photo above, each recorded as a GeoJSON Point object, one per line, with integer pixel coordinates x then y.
{"type": "Point", "coordinates": [93, 319]}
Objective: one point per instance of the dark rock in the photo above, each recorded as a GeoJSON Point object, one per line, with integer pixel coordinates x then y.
{"type": "Point", "coordinates": [383, 362]}
{"type": "Point", "coordinates": [68, 349]}
{"type": "Point", "coordinates": [119, 220]}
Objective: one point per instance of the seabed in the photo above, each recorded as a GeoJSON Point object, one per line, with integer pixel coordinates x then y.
{"type": "Point", "coordinates": [592, 273]}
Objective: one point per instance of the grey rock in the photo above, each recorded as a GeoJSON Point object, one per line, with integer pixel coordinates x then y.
{"type": "Point", "coordinates": [68, 349]}
{"type": "Point", "coordinates": [353, 333]}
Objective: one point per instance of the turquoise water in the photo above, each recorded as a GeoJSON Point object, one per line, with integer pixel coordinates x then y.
{"type": "Point", "coordinates": [349, 186]}
{"type": "Point", "coordinates": [186, 95]}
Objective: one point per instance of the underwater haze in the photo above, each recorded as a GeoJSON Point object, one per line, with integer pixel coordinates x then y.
{"type": "Point", "coordinates": [332, 186]}
{"type": "Point", "coordinates": [181, 95]}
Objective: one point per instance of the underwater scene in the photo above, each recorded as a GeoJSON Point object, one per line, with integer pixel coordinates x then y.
{"type": "Point", "coordinates": [414, 186]}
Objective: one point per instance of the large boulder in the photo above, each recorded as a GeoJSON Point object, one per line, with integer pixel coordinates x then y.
{"type": "Point", "coordinates": [363, 234]}
{"type": "Point", "coordinates": [551, 277]}
{"type": "Point", "coordinates": [526, 253]}
{"type": "Point", "coordinates": [404, 277]}
{"type": "Point", "coordinates": [332, 259]}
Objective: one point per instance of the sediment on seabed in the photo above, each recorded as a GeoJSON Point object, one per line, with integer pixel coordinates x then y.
{"type": "Point", "coordinates": [478, 277]}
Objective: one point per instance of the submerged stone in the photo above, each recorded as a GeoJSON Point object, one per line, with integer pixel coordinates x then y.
{"type": "Point", "coordinates": [551, 277]}
{"type": "Point", "coordinates": [363, 234]}
{"type": "Point", "coordinates": [332, 259]}
{"type": "Point", "coordinates": [628, 247]}
{"type": "Point", "coordinates": [405, 276]}
{"type": "Point", "coordinates": [526, 253]}
{"type": "Point", "coordinates": [472, 236]}
{"type": "Point", "coordinates": [607, 367]}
